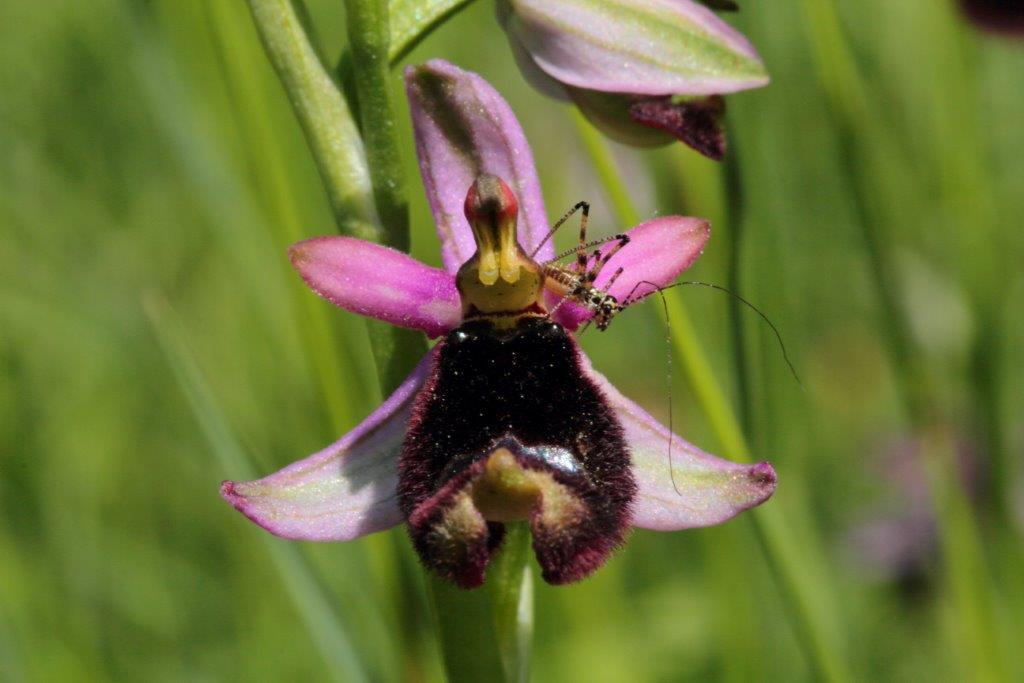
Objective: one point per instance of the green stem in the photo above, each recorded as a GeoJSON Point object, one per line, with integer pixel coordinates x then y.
{"type": "Point", "coordinates": [340, 155]}
{"type": "Point", "coordinates": [803, 590]}
{"type": "Point", "coordinates": [485, 633]}
{"type": "Point", "coordinates": [369, 38]}
{"type": "Point", "coordinates": [510, 590]}
{"type": "Point", "coordinates": [395, 350]}
{"type": "Point", "coordinates": [324, 115]}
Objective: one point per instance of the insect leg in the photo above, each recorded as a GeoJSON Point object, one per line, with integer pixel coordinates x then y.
{"type": "Point", "coordinates": [600, 261]}
{"type": "Point", "coordinates": [568, 214]}
{"type": "Point", "coordinates": [581, 249]}
{"type": "Point", "coordinates": [592, 243]}
{"type": "Point", "coordinates": [612, 279]}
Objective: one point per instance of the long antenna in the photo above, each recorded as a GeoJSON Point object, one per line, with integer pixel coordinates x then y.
{"type": "Point", "coordinates": [668, 382]}
{"type": "Point", "coordinates": [630, 299]}
{"type": "Point", "coordinates": [785, 356]}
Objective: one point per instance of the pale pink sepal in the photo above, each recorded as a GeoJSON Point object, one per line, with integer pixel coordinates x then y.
{"type": "Point", "coordinates": [644, 47]}
{"type": "Point", "coordinates": [658, 251]}
{"type": "Point", "coordinates": [464, 128]}
{"type": "Point", "coordinates": [707, 491]}
{"type": "Point", "coordinates": [343, 492]}
{"type": "Point", "coordinates": [379, 282]}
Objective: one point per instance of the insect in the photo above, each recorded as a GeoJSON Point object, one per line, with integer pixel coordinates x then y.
{"type": "Point", "coordinates": [576, 282]}
{"type": "Point", "coordinates": [509, 426]}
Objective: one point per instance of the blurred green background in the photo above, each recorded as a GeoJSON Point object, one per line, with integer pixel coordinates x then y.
{"type": "Point", "coordinates": [154, 341]}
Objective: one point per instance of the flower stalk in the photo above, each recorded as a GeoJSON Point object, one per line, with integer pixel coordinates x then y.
{"type": "Point", "coordinates": [324, 115]}
{"type": "Point", "coordinates": [510, 591]}
{"type": "Point", "coordinates": [395, 351]}
{"type": "Point", "coordinates": [369, 38]}
{"type": "Point", "coordinates": [486, 634]}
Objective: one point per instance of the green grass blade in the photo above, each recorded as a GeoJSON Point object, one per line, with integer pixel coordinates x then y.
{"type": "Point", "coordinates": [311, 600]}
{"type": "Point", "coordinates": [866, 142]}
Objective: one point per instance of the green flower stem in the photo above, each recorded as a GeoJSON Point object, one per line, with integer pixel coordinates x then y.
{"type": "Point", "coordinates": [395, 351]}
{"type": "Point", "coordinates": [369, 38]}
{"type": "Point", "coordinates": [976, 629]}
{"type": "Point", "coordinates": [324, 115]}
{"type": "Point", "coordinates": [805, 593]}
{"type": "Point", "coordinates": [340, 156]}
{"type": "Point", "coordinates": [485, 633]}
{"type": "Point", "coordinates": [510, 590]}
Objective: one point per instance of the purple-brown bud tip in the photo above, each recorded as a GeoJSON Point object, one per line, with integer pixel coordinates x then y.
{"type": "Point", "coordinates": [722, 5]}
{"type": "Point", "coordinates": [697, 123]}
{"type": "Point", "coordinates": [997, 16]}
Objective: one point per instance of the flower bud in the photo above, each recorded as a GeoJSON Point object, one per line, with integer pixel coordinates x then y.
{"type": "Point", "coordinates": [638, 70]}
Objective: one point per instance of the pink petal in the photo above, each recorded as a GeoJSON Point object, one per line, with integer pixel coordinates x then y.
{"type": "Point", "coordinates": [649, 47]}
{"type": "Point", "coordinates": [464, 128]}
{"type": "Point", "coordinates": [343, 492]}
{"type": "Point", "coordinates": [658, 251]}
{"type": "Point", "coordinates": [379, 282]}
{"type": "Point", "coordinates": [710, 490]}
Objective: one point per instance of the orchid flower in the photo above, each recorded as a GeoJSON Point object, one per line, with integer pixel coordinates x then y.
{"type": "Point", "coordinates": [467, 138]}
{"type": "Point", "coordinates": [642, 71]}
